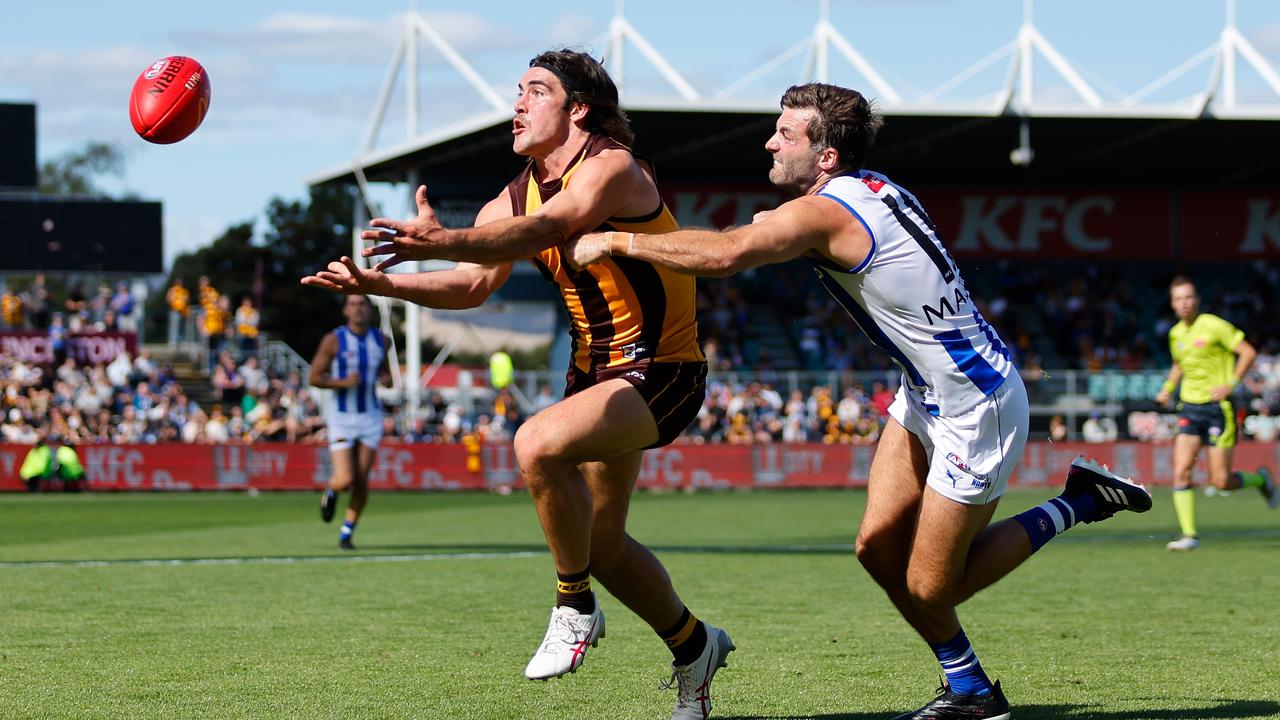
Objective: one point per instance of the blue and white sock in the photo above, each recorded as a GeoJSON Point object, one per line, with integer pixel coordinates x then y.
{"type": "Point", "coordinates": [348, 529]}
{"type": "Point", "coordinates": [1057, 515]}
{"type": "Point", "coordinates": [960, 663]}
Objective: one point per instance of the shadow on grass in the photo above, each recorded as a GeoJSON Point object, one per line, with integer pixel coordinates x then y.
{"type": "Point", "coordinates": [1224, 710]}
{"type": "Point", "coordinates": [779, 549]}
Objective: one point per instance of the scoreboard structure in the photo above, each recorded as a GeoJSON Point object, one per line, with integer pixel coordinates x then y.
{"type": "Point", "coordinates": [56, 233]}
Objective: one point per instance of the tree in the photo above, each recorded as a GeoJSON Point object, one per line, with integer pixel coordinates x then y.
{"type": "Point", "coordinates": [301, 236]}
{"type": "Point", "coordinates": [73, 173]}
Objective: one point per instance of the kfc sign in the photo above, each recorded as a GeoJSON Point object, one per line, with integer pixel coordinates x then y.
{"type": "Point", "coordinates": [1231, 226]}
{"type": "Point", "coordinates": [1118, 224]}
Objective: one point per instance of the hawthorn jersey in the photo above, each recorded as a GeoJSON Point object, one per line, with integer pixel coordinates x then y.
{"type": "Point", "coordinates": [361, 354]}
{"type": "Point", "coordinates": [621, 310]}
{"type": "Point", "coordinates": [909, 298]}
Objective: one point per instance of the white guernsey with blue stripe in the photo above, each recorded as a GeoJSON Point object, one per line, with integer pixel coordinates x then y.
{"type": "Point", "coordinates": [908, 297]}
{"type": "Point", "coordinates": [355, 414]}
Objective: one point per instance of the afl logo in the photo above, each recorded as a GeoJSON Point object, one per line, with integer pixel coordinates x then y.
{"type": "Point", "coordinates": [155, 69]}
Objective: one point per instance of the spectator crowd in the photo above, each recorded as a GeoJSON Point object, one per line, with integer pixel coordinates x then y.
{"type": "Point", "coordinates": [1082, 318]}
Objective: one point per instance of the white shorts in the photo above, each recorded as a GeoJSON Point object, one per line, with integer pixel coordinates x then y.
{"type": "Point", "coordinates": [971, 456]}
{"type": "Point", "coordinates": [346, 429]}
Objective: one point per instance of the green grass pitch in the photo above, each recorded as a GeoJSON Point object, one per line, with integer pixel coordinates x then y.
{"type": "Point", "coordinates": [437, 613]}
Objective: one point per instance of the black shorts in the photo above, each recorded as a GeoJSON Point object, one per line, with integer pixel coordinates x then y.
{"type": "Point", "coordinates": [1213, 422]}
{"type": "Point", "coordinates": [674, 391]}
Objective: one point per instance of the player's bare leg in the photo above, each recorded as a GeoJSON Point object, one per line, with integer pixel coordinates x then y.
{"type": "Point", "coordinates": [633, 575]}
{"type": "Point", "coordinates": [343, 464]}
{"type": "Point", "coordinates": [894, 494]}
{"type": "Point", "coordinates": [601, 431]}
{"type": "Point", "coordinates": [364, 457]}
{"type": "Point", "coordinates": [627, 569]}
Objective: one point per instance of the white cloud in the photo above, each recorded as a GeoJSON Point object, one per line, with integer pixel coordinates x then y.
{"type": "Point", "coordinates": [347, 39]}
{"type": "Point", "coordinates": [576, 31]}
{"type": "Point", "coordinates": [1267, 41]}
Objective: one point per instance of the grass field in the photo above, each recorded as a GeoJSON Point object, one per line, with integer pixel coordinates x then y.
{"type": "Point", "coordinates": [437, 613]}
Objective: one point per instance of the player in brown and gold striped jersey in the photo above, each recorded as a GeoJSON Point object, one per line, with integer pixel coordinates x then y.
{"type": "Point", "coordinates": [637, 375]}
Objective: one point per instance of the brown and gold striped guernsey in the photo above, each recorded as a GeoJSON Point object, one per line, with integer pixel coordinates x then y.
{"type": "Point", "coordinates": [622, 310]}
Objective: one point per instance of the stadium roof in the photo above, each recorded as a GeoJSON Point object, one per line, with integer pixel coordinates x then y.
{"type": "Point", "coordinates": [1016, 135]}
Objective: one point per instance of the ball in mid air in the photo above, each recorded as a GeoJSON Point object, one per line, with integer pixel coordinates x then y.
{"type": "Point", "coordinates": [169, 99]}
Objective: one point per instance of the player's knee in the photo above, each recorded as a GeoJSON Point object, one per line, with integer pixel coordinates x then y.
{"type": "Point", "coordinates": [535, 447]}
{"type": "Point", "coordinates": [340, 481]}
{"type": "Point", "coordinates": [874, 552]}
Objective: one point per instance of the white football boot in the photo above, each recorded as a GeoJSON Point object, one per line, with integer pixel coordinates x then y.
{"type": "Point", "coordinates": [693, 681]}
{"type": "Point", "coordinates": [565, 646]}
{"type": "Point", "coordinates": [1186, 543]}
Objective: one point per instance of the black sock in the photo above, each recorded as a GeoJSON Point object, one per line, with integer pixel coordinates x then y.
{"type": "Point", "coordinates": [574, 590]}
{"type": "Point", "coordinates": [686, 639]}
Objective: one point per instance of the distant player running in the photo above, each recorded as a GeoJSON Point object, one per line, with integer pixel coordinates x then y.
{"type": "Point", "coordinates": [960, 418]}
{"type": "Point", "coordinates": [349, 361]}
{"type": "Point", "coordinates": [1209, 357]}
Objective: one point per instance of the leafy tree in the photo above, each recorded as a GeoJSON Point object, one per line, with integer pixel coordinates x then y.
{"type": "Point", "coordinates": [300, 238]}
{"type": "Point", "coordinates": [74, 173]}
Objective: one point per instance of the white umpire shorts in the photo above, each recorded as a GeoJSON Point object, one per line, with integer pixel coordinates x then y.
{"type": "Point", "coordinates": [971, 456]}
{"type": "Point", "coordinates": [346, 429]}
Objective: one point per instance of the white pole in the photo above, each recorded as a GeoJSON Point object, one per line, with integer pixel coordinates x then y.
{"type": "Point", "coordinates": [413, 340]}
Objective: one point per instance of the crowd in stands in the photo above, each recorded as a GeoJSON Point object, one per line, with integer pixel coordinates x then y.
{"type": "Point", "coordinates": [218, 327]}
{"type": "Point", "coordinates": [33, 307]}
{"type": "Point", "coordinates": [1087, 318]}
{"type": "Point", "coordinates": [137, 400]}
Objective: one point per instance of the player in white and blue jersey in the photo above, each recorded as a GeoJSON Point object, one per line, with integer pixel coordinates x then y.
{"type": "Point", "coordinates": [349, 361]}
{"type": "Point", "coordinates": [960, 418]}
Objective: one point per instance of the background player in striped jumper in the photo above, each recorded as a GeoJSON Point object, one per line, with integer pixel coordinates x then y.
{"type": "Point", "coordinates": [1210, 356]}
{"type": "Point", "coordinates": [637, 376]}
{"type": "Point", "coordinates": [349, 361]}
{"type": "Point", "coordinates": [959, 421]}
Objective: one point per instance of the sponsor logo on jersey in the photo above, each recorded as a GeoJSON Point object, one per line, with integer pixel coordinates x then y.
{"type": "Point", "coordinates": [873, 183]}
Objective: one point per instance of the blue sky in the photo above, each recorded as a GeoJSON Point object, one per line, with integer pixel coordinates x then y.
{"type": "Point", "coordinates": [294, 82]}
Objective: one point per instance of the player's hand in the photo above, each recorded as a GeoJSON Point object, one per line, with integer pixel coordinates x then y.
{"type": "Point", "coordinates": [1221, 392]}
{"type": "Point", "coordinates": [346, 277]}
{"type": "Point", "coordinates": [417, 239]}
{"type": "Point", "coordinates": [1163, 397]}
{"type": "Point", "coordinates": [352, 380]}
{"type": "Point", "coordinates": [762, 215]}
{"type": "Point", "coordinates": [586, 249]}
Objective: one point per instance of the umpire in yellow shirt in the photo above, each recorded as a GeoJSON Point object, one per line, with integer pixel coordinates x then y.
{"type": "Point", "coordinates": [1210, 355]}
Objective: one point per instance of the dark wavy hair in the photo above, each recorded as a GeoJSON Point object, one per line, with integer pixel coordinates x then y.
{"type": "Point", "coordinates": [845, 120]}
{"type": "Point", "coordinates": [586, 81]}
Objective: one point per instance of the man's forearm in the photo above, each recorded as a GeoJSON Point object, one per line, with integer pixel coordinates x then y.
{"type": "Point", "coordinates": [442, 289]}
{"type": "Point", "coordinates": [693, 252]}
{"type": "Point", "coordinates": [506, 240]}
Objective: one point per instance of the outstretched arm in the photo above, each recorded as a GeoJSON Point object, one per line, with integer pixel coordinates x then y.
{"type": "Point", "coordinates": [600, 187]}
{"type": "Point", "coordinates": [799, 226]}
{"type": "Point", "coordinates": [465, 286]}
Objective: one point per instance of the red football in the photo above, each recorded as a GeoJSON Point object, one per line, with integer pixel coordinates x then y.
{"type": "Point", "coordinates": [169, 99]}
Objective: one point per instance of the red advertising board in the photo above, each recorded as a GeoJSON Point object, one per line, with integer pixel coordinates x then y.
{"type": "Point", "coordinates": [281, 466]}
{"type": "Point", "coordinates": [35, 346]}
{"type": "Point", "coordinates": [1220, 225]}
{"type": "Point", "coordinates": [1070, 223]}
{"type": "Point", "coordinates": [1077, 223]}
